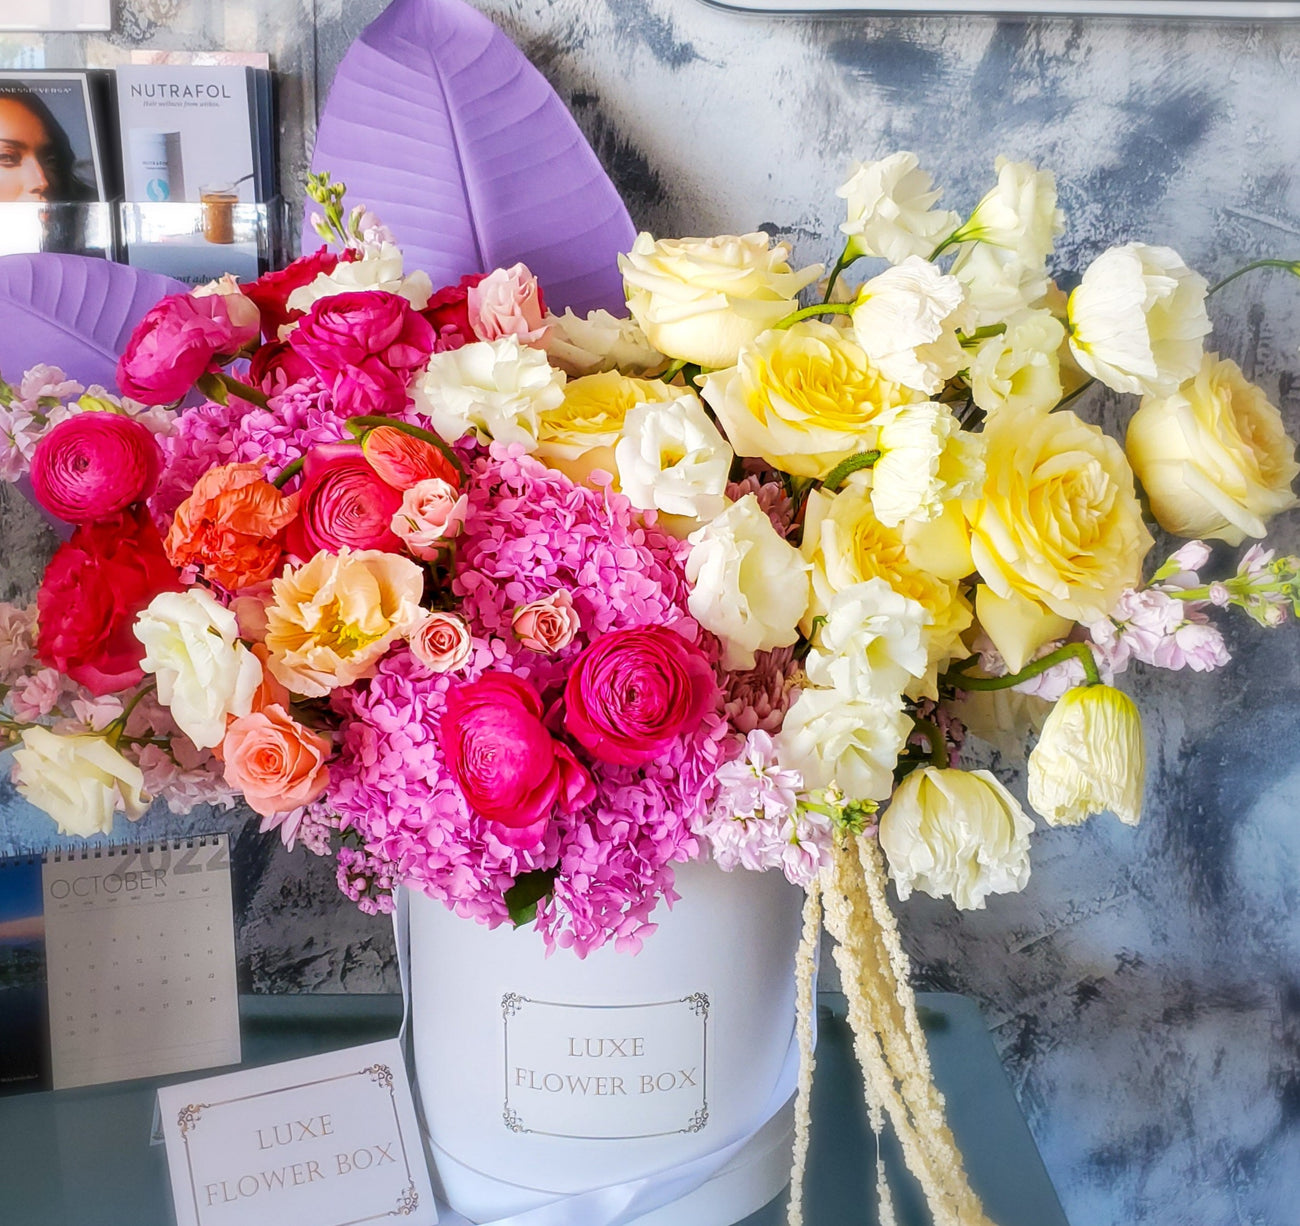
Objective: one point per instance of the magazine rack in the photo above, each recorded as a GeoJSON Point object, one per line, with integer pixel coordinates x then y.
{"type": "Point", "coordinates": [197, 242]}
{"type": "Point", "coordinates": [66, 228]}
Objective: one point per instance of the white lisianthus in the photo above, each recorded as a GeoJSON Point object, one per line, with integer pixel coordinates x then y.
{"type": "Point", "coordinates": [925, 461]}
{"type": "Point", "coordinates": [701, 299]}
{"type": "Point", "coordinates": [1020, 367]}
{"type": "Point", "coordinates": [599, 341]}
{"type": "Point", "coordinates": [748, 585]}
{"type": "Point", "coordinates": [204, 673]}
{"type": "Point", "coordinates": [1089, 758]}
{"type": "Point", "coordinates": [1019, 215]}
{"type": "Point", "coordinates": [958, 834]}
{"type": "Point", "coordinates": [891, 210]}
{"type": "Point", "coordinates": [907, 320]}
{"type": "Point", "coordinates": [80, 781]}
{"type": "Point", "coordinates": [671, 458]}
{"type": "Point", "coordinates": [1137, 320]}
{"type": "Point", "coordinates": [871, 645]}
{"type": "Point", "coordinates": [498, 389]}
{"type": "Point", "coordinates": [379, 268]}
{"type": "Point", "coordinates": [849, 742]}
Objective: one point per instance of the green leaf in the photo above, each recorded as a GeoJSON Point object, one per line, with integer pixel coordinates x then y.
{"type": "Point", "coordinates": [212, 386]}
{"type": "Point", "coordinates": [528, 890]}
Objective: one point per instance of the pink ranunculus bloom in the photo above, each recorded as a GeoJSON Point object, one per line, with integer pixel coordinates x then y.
{"type": "Point", "coordinates": [432, 512]}
{"type": "Point", "coordinates": [181, 338]}
{"type": "Point", "coordinates": [631, 693]}
{"type": "Point", "coordinates": [509, 768]}
{"type": "Point", "coordinates": [507, 302]}
{"type": "Point", "coordinates": [547, 625]}
{"type": "Point", "coordinates": [442, 642]}
{"type": "Point", "coordinates": [93, 465]}
{"type": "Point", "coordinates": [343, 501]}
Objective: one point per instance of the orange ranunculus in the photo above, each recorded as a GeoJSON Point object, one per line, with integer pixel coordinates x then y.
{"type": "Point", "coordinates": [274, 761]}
{"type": "Point", "coordinates": [403, 460]}
{"type": "Point", "coordinates": [230, 526]}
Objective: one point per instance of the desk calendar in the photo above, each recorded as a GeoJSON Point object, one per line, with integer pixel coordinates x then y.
{"type": "Point", "coordinates": [116, 962]}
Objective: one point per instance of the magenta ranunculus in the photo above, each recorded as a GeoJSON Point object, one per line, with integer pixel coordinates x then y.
{"type": "Point", "coordinates": [509, 768]}
{"type": "Point", "coordinates": [343, 501]}
{"type": "Point", "coordinates": [179, 339]}
{"type": "Point", "coordinates": [632, 692]}
{"type": "Point", "coordinates": [93, 465]}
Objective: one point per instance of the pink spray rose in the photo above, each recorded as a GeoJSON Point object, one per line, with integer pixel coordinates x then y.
{"type": "Point", "coordinates": [432, 512]}
{"type": "Point", "coordinates": [546, 625]}
{"type": "Point", "coordinates": [441, 642]}
{"type": "Point", "coordinates": [507, 302]}
{"type": "Point", "coordinates": [93, 465]}
{"type": "Point", "coordinates": [632, 692]}
{"type": "Point", "coordinates": [509, 768]}
{"type": "Point", "coordinates": [181, 338]}
{"type": "Point", "coordinates": [343, 501]}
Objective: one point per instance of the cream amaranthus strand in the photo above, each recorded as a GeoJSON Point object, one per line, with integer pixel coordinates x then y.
{"type": "Point", "coordinates": [805, 991]}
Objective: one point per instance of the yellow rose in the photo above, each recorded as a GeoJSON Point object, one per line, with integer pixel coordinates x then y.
{"type": "Point", "coordinates": [701, 299]}
{"type": "Point", "coordinates": [1214, 457]}
{"type": "Point", "coordinates": [803, 399]}
{"type": "Point", "coordinates": [80, 781]}
{"type": "Point", "coordinates": [579, 434]}
{"type": "Point", "coordinates": [1058, 533]}
{"type": "Point", "coordinates": [847, 544]}
{"type": "Point", "coordinates": [1020, 366]}
{"type": "Point", "coordinates": [332, 618]}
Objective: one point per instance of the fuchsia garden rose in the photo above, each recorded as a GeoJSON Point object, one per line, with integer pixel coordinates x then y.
{"type": "Point", "coordinates": [343, 502]}
{"type": "Point", "coordinates": [93, 465]}
{"type": "Point", "coordinates": [181, 338]}
{"type": "Point", "coordinates": [547, 625]}
{"type": "Point", "coordinates": [507, 302]}
{"type": "Point", "coordinates": [509, 768]}
{"type": "Point", "coordinates": [632, 692]}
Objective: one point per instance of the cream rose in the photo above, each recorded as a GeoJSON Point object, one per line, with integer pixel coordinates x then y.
{"type": "Point", "coordinates": [204, 673]}
{"type": "Point", "coordinates": [925, 461]}
{"type": "Point", "coordinates": [1020, 367]}
{"type": "Point", "coordinates": [871, 645]}
{"type": "Point", "coordinates": [441, 642]}
{"type": "Point", "coordinates": [955, 834]}
{"type": "Point", "coordinates": [1214, 457]}
{"type": "Point", "coordinates": [1137, 320]}
{"type": "Point", "coordinates": [700, 299]}
{"type": "Point", "coordinates": [80, 781]}
{"type": "Point", "coordinates": [891, 210]}
{"type": "Point", "coordinates": [748, 585]}
{"type": "Point", "coordinates": [1058, 524]}
{"type": "Point", "coordinates": [803, 398]}
{"type": "Point", "coordinates": [849, 742]}
{"type": "Point", "coordinates": [380, 268]}
{"type": "Point", "coordinates": [587, 344]}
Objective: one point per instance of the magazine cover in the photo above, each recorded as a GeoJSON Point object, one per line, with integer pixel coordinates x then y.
{"type": "Point", "coordinates": [51, 138]}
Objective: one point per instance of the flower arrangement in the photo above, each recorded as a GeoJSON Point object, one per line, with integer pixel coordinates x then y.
{"type": "Point", "coordinates": [521, 609]}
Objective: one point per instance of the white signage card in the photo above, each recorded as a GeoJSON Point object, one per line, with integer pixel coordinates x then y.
{"type": "Point", "coordinates": [606, 1071]}
{"type": "Point", "coordinates": [331, 1140]}
{"type": "Point", "coordinates": [56, 15]}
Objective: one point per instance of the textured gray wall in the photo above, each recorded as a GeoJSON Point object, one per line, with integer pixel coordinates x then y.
{"type": "Point", "coordinates": [1145, 988]}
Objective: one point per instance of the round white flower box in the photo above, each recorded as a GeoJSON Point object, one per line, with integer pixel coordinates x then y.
{"type": "Point", "coordinates": [637, 1080]}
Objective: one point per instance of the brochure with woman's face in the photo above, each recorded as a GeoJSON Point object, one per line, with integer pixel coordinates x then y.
{"type": "Point", "coordinates": [50, 140]}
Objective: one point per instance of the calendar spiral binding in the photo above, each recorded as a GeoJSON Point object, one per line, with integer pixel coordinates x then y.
{"type": "Point", "coordinates": [70, 853]}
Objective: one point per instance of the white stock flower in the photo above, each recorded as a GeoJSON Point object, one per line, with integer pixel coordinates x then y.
{"type": "Point", "coordinates": [907, 319]}
{"type": "Point", "coordinates": [748, 585]}
{"type": "Point", "coordinates": [871, 645]}
{"type": "Point", "coordinates": [379, 268]}
{"type": "Point", "coordinates": [599, 341]}
{"type": "Point", "coordinates": [1137, 320]}
{"type": "Point", "coordinates": [891, 209]}
{"type": "Point", "coordinates": [498, 389]}
{"type": "Point", "coordinates": [957, 834]}
{"type": "Point", "coordinates": [671, 458]}
{"type": "Point", "coordinates": [849, 742]}
{"type": "Point", "coordinates": [925, 461]}
{"type": "Point", "coordinates": [1020, 367]}
{"type": "Point", "coordinates": [204, 673]}
{"type": "Point", "coordinates": [80, 781]}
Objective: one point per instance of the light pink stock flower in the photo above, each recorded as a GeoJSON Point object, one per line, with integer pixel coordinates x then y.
{"type": "Point", "coordinates": [432, 512]}
{"type": "Point", "coordinates": [17, 640]}
{"type": "Point", "coordinates": [35, 696]}
{"type": "Point", "coordinates": [1157, 629]}
{"type": "Point", "coordinates": [547, 625]}
{"type": "Point", "coordinates": [442, 642]}
{"type": "Point", "coordinates": [507, 302]}
{"type": "Point", "coordinates": [1195, 644]}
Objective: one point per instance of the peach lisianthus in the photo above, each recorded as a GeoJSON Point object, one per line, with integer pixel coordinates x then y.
{"type": "Point", "coordinates": [274, 761]}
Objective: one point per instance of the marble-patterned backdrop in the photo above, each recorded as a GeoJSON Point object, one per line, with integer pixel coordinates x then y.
{"type": "Point", "coordinates": [1144, 989]}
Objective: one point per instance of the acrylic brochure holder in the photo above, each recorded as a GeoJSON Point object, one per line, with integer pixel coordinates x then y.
{"type": "Point", "coordinates": [65, 228]}
{"type": "Point", "coordinates": [199, 241]}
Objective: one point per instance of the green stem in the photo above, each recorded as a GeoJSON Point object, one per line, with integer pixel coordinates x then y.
{"type": "Point", "coordinates": [846, 467]}
{"type": "Point", "coordinates": [820, 308]}
{"type": "Point", "coordinates": [943, 246]}
{"type": "Point", "coordinates": [981, 334]}
{"type": "Point", "coordinates": [361, 426]}
{"type": "Point", "coordinates": [1292, 266]}
{"type": "Point", "coordinates": [117, 729]}
{"type": "Point", "coordinates": [243, 390]}
{"type": "Point", "coordinates": [289, 472]}
{"type": "Point", "coordinates": [1068, 651]}
{"type": "Point", "coordinates": [1074, 395]}
{"type": "Point", "coordinates": [673, 371]}
{"type": "Point", "coordinates": [840, 265]}
{"type": "Point", "coordinates": [934, 736]}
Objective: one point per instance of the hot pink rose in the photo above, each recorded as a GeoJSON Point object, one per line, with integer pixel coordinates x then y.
{"type": "Point", "coordinates": [343, 501]}
{"type": "Point", "coordinates": [632, 692]}
{"type": "Point", "coordinates": [510, 769]}
{"type": "Point", "coordinates": [546, 625]}
{"type": "Point", "coordinates": [93, 465]}
{"type": "Point", "coordinates": [432, 512]}
{"type": "Point", "coordinates": [442, 642]}
{"type": "Point", "coordinates": [507, 302]}
{"type": "Point", "coordinates": [179, 339]}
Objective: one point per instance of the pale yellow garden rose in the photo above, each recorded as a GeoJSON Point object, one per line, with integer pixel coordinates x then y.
{"type": "Point", "coordinates": [80, 781]}
{"type": "Point", "coordinates": [847, 544]}
{"type": "Point", "coordinates": [701, 299]}
{"type": "Point", "coordinates": [1057, 530]}
{"type": "Point", "coordinates": [1214, 457]}
{"type": "Point", "coordinates": [803, 398]}
{"type": "Point", "coordinates": [332, 618]}
{"type": "Point", "coordinates": [1020, 366]}
{"type": "Point", "coordinates": [1089, 758]}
